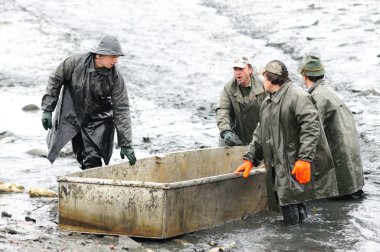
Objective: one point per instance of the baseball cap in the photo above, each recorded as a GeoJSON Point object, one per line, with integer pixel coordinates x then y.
{"type": "Point", "coordinates": [274, 67]}
{"type": "Point", "coordinates": [241, 62]}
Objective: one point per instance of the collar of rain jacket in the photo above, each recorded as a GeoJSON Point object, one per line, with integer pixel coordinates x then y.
{"type": "Point", "coordinates": [91, 64]}
{"type": "Point", "coordinates": [277, 96]}
{"type": "Point", "coordinates": [256, 89]}
{"type": "Point", "coordinates": [86, 63]}
{"type": "Point", "coordinates": [319, 82]}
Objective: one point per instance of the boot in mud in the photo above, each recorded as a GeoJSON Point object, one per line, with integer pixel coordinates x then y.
{"type": "Point", "coordinates": [91, 162]}
{"type": "Point", "coordinates": [358, 195]}
{"type": "Point", "coordinates": [81, 165]}
{"type": "Point", "coordinates": [302, 212]}
{"type": "Point", "coordinates": [290, 213]}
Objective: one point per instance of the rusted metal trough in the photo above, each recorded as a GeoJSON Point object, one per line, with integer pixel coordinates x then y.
{"type": "Point", "coordinates": [161, 196]}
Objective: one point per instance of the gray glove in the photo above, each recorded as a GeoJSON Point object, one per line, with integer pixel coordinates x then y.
{"type": "Point", "coordinates": [46, 120]}
{"type": "Point", "coordinates": [129, 153]}
{"type": "Point", "coordinates": [230, 138]}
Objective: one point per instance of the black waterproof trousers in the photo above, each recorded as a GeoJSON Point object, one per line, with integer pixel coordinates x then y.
{"type": "Point", "coordinates": [94, 142]}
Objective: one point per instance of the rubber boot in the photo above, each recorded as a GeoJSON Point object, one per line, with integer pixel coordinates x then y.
{"type": "Point", "coordinates": [91, 162]}
{"type": "Point", "coordinates": [358, 195]}
{"type": "Point", "coordinates": [80, 158]}
{"type": "Point", "coordinates": [290, 213]}
{"type": "Point", "coordinates": [302, 212]}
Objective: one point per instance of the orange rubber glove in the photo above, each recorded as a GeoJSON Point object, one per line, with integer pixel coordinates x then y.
{"type": "Point", "coordinates": [302, 171]}
{"type": "Point", "coordinates": [245, 167]}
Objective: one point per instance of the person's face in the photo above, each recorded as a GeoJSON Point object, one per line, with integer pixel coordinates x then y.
{"type": "Point", "coordinates": [106, 61]}
{"type": "Point", "coordinates": [243, 75]}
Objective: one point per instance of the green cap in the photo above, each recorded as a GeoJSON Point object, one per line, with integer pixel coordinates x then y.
{"type": "Point", "coordinates": [312, 66]}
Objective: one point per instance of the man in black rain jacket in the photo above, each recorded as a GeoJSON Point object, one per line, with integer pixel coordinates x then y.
{"type": "Point", "coordinates": [92, 103]}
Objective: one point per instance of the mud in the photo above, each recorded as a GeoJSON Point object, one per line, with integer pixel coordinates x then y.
{"type": "Point", "coordinates": [178, 58]}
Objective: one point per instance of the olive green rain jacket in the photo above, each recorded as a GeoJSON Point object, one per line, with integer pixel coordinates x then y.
{"type": "Point", "coordinates": [342, 136]}
{"type": "Point", "coordinates": [289, 130]}
{"type": "Point", "coordinates": [237, 113]}
{"type": "Point", "coordinates": [91, 98]}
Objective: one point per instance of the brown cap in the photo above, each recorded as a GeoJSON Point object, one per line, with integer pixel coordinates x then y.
{"type": "Point", "coordinates": [274, 67]}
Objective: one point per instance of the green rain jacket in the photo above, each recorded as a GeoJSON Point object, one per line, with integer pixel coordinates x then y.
{"type": "Point", "coordinates": [342, 136]}
{"type": "Point", "coordinates": [239, 114]}
{"type": "Point", "coordinates": [289, 130]}
{"type": "Point", "coordinates": [89, 98]}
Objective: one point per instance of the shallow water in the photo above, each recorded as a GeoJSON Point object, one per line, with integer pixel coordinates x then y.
{"type": "Point", "coordinates": [178, 57]}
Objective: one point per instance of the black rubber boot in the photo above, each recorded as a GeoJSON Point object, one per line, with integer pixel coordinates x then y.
{"type": "Point", "coordinates": [302, 212]}
{"type": "Point", "coordinates": [80, 158]}
{"type": "Point", "coordinates": [358, 195]}
{"type": "Point", "coordinates": [290, 213]}
{"type": "Point", "coordinates": [91, 162]}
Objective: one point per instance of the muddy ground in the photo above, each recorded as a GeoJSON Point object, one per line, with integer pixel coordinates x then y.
{"type": "Point", "coordinates": [178, 58]}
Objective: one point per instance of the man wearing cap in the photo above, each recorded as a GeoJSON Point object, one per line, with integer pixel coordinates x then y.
{"type": "Point", "coordinates": [92, 103]}
{"type": "Point", "coordinates": [237, 112]}
{"type": "Point", "coordinates": [339, 126]}
{"type": "Point", "coordinates": [289, 139]}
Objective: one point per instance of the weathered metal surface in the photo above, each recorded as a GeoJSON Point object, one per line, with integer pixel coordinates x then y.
{"type": "Point", "coordinates": [161, 196]}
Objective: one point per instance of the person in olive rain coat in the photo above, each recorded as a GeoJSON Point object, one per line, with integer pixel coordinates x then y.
{"type": "Point", "coordinates": [237, 112]}
{"type": "Point", "coordinates": [92, 103]}
{"type": "Point", "coordinates": [291, 141]}
{"type": "Point", "coordinates": [339, 126]}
